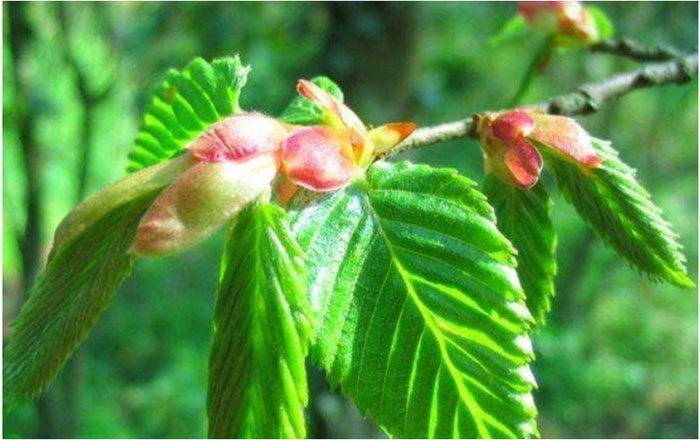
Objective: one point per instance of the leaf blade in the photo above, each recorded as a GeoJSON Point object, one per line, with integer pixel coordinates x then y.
{"type": "Point", "coordinates": [184, 105]}
{"type": "Point", "coordinates": [68, 298]}
{"type": "Point", "coordinates": [420, 321]}
{"type": "Point", "coordinates": [257, 384]}
{"type": "Point", "coordinates": [621, 212]}
{"type": "Point", "coordinates": [524, 218]}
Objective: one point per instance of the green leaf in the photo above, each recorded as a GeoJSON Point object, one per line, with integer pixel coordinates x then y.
{"type": "Point", "coordinates": [301, 111]}
{"type": "Point", "coordinates": [511, 30]}
{"type": "Point", "coordinates": [68, 298]}
{"type": "Point", "coordinates": [185, 105]}
{"type": "Point", "coordinates": [605, 26]}
{"type": "Point", "coordinates": [421, 317]}
{"type": "Point", "coordinates": [262, 329]}
{"type": "Point", "coordinates": [523, 217]}
{"type": "Point", "coordinates": [621, 212]}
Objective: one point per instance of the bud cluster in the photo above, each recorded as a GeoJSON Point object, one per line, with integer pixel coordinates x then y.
{"type": "Point", "coordinates": [235, 162]}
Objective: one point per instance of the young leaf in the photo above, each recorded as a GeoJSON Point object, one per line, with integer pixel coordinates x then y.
{"type": "Point", "coordinates": [262, 329]}
{"type": "Point", "coordinates": [511, 30]}
{"type": "Point", "coordinates": [421, 317]}
{"type": "Point", "coordinates": [302, 111]}
{"type": "Point", "coordinates": [184, 105]}
{"type": "Point", "coordinates": [523, 217]}
{"type": "Point", "coordinates": [68, 298]}
{"type": "Point", "coordinates": [621, 212]}
{"type": "Point", "coordinates": [605, 26]}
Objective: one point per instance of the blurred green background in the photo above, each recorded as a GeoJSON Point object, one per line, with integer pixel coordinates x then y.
{"type": "Point", "coordinates": [619, 356]}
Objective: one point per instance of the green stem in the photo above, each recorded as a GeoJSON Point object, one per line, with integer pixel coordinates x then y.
{"type": "Point", "coordinates": [536, 67]}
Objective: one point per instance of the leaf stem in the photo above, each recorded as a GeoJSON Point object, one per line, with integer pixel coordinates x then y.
{"type": "Point", "coordinates": [537, 66]}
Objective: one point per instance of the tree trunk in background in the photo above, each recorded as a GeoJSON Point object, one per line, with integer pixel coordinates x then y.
{"type": "Point", "coordinates": [30, 241]}
{"type": "Point", "coordinates": [372, 53]}
{"type": "Point", "coordinates": [73, 381]}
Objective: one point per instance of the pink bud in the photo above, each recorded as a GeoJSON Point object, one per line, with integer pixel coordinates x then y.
{"type": "Point", "coordinates": [566, 18]}
{"type": "Point", "coordinates": [566, 138]}
{"type": "Point", "coordinates": [544, 16]}
{"type": "Point", "coordinates": [238, 138]}
{"type": "Point", "coordinates": [508, 153]}
{"type": "Point", "coordinates": [319, 158]}
{"type": "Point", "coordinates": [200, 201]}
{"type": "Point", "coordinates": [509, 141]}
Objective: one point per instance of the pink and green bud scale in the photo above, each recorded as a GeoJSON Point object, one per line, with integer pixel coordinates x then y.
{"type": "Point", "coordinates": [511, 141]}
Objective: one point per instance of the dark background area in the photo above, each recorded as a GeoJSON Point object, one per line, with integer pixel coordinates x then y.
{"type": "Point", "coordinates": [618, 357]}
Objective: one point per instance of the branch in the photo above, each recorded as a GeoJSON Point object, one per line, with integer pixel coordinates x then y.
{"type": "Point", "coordinates": [630, 49]}
{"type": "Point", "coordinates": [587, 99]}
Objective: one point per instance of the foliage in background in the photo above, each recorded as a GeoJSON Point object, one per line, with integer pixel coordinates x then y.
{"type": "Point", "coordinates": [153, 360]}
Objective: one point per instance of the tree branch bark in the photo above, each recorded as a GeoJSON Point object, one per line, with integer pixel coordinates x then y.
{"type": "Point", "coordinates": [627, 48]}
{"type": "Point", "coordinates": [587, 99]}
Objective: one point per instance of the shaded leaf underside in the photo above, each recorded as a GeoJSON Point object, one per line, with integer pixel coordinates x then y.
{"type": "Point", "coordinates": [262, 321]}
{"type": "Point", "coordinates": [523, 217]}
{"type": "Point", "coordinates": [67, 300]}
{"type": "Point", "coordinates": [621, 212]}
{"type": "Point", "coordinates": [422, 320]}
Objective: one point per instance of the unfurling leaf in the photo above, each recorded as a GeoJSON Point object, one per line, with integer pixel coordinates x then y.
{"type": "Point", "coordinates": [68, 298]}
{"type": "Point", "coordinates": [185, 105]}
{"type": "Point", "coordinates": [123, 191]}
{"type": "Point", "coordinates": [302, 111]}
{"type": "Point", "coordinates": [422, 320]}
{"type": "Point", "coordinates": [523, 217]}
{"type": "Point", "coordinates": [621, 212]}
{"type": "Point", "coordinates": [339, 116]}
{"type": "Point", "coordinates": [262, 329]}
